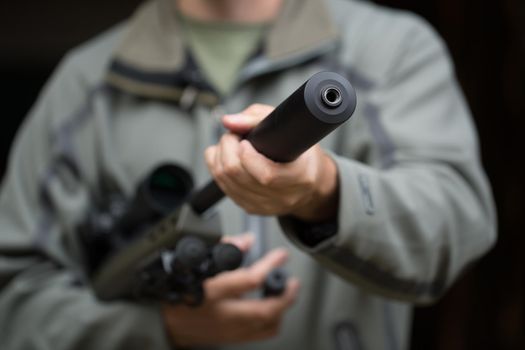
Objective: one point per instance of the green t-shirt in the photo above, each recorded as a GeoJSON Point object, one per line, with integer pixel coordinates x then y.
{"type": "Point", "coordinates": [221, 48]}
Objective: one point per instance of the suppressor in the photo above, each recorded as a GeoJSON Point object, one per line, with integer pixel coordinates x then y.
{"type": "Point", "coordinates": [315, 109]}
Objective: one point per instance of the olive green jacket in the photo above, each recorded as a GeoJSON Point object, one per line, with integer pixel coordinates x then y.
{"type": "Point", "coordinates": [415, 206]}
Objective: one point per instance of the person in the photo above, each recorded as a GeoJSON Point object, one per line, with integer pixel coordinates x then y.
{"type": "Point", "coordinates": [384, 214]}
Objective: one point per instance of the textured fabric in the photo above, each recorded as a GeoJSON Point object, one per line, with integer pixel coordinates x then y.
{"type": "Point", "coordinates": [221, 48]}
{"type": "Point", "coordinates": [415, 207]}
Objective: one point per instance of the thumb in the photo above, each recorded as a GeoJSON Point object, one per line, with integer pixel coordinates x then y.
{"type": "Point", "coordinates": [243, 122]}
{"type": "Point", "coordinates": [244, 242]}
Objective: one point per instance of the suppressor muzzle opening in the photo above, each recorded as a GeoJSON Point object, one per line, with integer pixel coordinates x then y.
{"type": "Point", "coordinates": [331, 97]}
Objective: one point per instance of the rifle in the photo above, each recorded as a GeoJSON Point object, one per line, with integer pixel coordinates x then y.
{"type": "Point", "coordinates": [166, 241]}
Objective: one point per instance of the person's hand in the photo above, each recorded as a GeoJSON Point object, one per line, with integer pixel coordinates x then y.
{"type": "Point", "coordinates": [305, 188]}
{"type": "Point", "coordinates": [226, 318]}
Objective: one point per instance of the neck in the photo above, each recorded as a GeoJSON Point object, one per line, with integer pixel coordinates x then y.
{"type": "Point", "coordinates": [244, 11]}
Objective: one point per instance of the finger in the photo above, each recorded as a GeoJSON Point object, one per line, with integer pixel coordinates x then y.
{"type": "Point", "coordinates": [258, 110]}
{"type": "Point", "coordinates": [232, 178]}
{"type": "Point", "coordinates": [263, 312]}
{"type": "Point", "coordinates": [268, 331]}
{"type": "Point", "coordinates": [251, 198]}
{"type": "Point", "coordinates": [269, 173]}
{"type": "Point", "coordinates": [239, 123]}
{"type": "Point", "coordinates": [244, 242]}
{"type": "Point", "coordinates": [239, 329]}
{"type": "Point", "coordinates": [243, 122]}
{"type": "Point", "coordinates": [232, 284]}
{"type": "Point", "coordinates": [209, 157]}
{"type": "Point", "coordinates": [212, 157]}
{"type": "Point", "coordinates": [235, 174]}
{"type": "Point", "coordinates": [258, 318]}
{"type": "Point", "coordinates": [217, 164]}
{"type": "Point", "coordinates": [261, 168]}
{"type": "Point", "coordinates": [226, 168]}
{"type": "Point", "coordinates": [244, 195]}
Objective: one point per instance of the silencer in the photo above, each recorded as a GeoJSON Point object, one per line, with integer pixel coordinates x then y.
{"type": "Point", "coordinates": [315, 109]}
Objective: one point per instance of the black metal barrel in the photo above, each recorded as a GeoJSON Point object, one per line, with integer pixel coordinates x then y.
{"type": "Point", "coordinates": [315, 109]}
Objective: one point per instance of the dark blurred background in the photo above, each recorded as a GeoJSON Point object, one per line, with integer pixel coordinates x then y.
{"type": "Point", "coordinates": [485, 309]}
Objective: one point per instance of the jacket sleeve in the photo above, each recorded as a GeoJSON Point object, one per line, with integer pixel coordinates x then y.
{"type": "Point", "coordinates": [42, 305]}
{"type": "Point", "coordinates": [419, 209]}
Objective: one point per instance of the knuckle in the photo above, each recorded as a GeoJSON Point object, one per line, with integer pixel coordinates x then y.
{"type": "Point", "coordinates": [225, 137]}
{"type": "Point", "coordinates": [309, 179]}
{"type": "Point", "coordinates": [254, 107]}
{"type": "Point", "coordinates": [252, 210]}
{"type": "Point", "coordinates": [248, 161]}
{"type": "Point", "coordinates": [232, 169]}
{"type": "Point", "coordinates": [267, 178]}
{"type": "Point", "coordinates": [220, 175]}
{"type": "Point", "coordinates": [260, 209]}
{"type": "Point", "coordinates": [244, 204]}
{"type": "Point", "coordinates": [252, 280]}
{"type": "Point", "coordinates": [213, 169]}
{"type": "Point", "coordinates": [208, 154]}
{"type": "Point", "coordinates": [266, 315]}
{"type": "Point", "coordinates": [229, 138]}
{"type": "Point", "coordinates": [269, 209]}
{"type": "Point", "coordinates": [290, 201]}
{"type": "Point", "coordinates": [247, 278]}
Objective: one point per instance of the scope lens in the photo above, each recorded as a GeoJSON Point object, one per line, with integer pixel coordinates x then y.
{"type": "Point", "coordinates": [168, 186]}
{"type": "Point", "coordinates": [331, 97]}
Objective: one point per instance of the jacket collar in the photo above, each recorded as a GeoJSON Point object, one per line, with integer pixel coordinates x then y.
{"type": "Point", "coordinates": [151, 60]}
